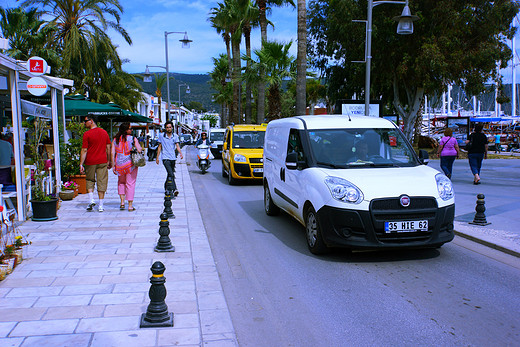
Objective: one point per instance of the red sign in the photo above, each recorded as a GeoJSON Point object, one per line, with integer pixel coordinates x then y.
{"type": "Point", "coordinates": [36, 66]}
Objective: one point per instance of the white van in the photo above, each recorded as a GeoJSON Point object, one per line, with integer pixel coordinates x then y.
{"type": "Point", "coordinates": [217, 137]}
{"type": "Point", "coordinates": [355, 182]}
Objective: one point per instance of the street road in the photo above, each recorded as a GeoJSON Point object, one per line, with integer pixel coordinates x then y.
{"type": "Point", "coordinates": [279, 294]}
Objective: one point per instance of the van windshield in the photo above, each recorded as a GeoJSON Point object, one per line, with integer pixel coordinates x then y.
{"type": "Point", "coordinates": [216, 136]}
{"type": "Point", "coordinates": [248, 139]}
{"type": "Point", "coordinates": [355, 148]}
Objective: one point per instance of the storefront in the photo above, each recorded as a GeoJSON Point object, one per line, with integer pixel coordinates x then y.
{"type": "Point", "coordinates": [16, 104]}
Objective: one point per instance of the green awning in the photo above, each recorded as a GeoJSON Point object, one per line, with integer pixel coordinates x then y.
{"type": "Point", "coordinates": [77, 105]}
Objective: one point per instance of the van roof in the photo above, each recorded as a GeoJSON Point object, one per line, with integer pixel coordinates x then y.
{"type": "Point", "coordinates": [334, 121]}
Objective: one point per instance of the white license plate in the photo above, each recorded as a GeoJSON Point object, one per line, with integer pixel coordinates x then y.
{"type": "Point", "coordinates": [406, 226]}
{"type": "Point", "coordinates": [259, 170]}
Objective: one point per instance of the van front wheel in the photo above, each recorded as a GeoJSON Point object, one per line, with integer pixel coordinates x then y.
{"type": "Point", "coordinates": [313, 233]}
{"type": "Point", "coordinates": [270, 208]}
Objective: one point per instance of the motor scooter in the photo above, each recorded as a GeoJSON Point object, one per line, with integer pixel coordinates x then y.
{"type": "Point", "coordinates": [203, 162]}
{"type": "Point", "coordinates": [152, 149]}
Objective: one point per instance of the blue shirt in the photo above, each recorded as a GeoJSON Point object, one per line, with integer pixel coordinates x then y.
{"type": "Point", "coordinates": [6, 153]}
{"type": "Point", "coordinates": [168, 145]}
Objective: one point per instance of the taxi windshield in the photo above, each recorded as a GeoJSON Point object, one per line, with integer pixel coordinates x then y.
{"type": "Point", "coordinates": [355, 148]}
{"type": "Point", "coordinates": [248, 139]}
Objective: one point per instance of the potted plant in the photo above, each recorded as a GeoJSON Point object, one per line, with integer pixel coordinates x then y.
{"type": "Point", "coordinates": [69, 190]}
{"type": "Point", "coordinates": [44, 206]}
{"type": "Point", "coordinates": [70, 155]}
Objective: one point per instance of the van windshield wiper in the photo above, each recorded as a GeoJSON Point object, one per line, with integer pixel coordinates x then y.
{"type": "Point", "coordinates": [334, 166]}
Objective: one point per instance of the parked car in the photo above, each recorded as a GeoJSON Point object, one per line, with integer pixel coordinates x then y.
{"type": "Point", "coordinates": [216, 136]}
{"type": "Point", "coordinates": [186, 139]}
{"type": "Point", "coordinates": [242, 152]}
{"type": "Point", "coordinates": [355, 182]}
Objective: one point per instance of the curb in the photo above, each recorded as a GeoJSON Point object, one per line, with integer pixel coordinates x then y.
{"type": "Point", "coordinates": [488, 244]}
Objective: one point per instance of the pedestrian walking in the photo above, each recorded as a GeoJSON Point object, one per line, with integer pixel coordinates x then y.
{"type": "Point", "coordinates": [477, 147]}
{"type": "Point", "coordinates": [95, 160]}
{"type": "Point", "coordinates": [168, 143]}
{"type": "Point", "coordinates": [497, 143]}
{"type": "Point", "coordinates": [126, 172]}
{"type": "Point", "coordinates": [448, 151]}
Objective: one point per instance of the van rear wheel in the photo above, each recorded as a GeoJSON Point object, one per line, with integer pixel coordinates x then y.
{"type": "Point", "coordinates": [270, 208]}
{"type": "Point", "coordinates": [313, 233]}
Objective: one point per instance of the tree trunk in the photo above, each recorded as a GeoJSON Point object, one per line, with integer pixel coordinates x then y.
{"type": "Point", "coordinates": [235, 114]}
{"type": "Point", "coordinates": [301, 59]}
{"type": "Point", "coordinates": [260, 107]}
{"type": "Point", "coordinates": [409, 116]}
{"type": "Point", "coordinates": [247, 35]}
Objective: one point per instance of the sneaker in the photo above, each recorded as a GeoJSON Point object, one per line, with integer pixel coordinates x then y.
{"type": "Point", "coordinates": [91, 206]}
{"type": "Point", "coordinates": [101, 209]}
{"type": "Point", "coordinates": [175, 193]}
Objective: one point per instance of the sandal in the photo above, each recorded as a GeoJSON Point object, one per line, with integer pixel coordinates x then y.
{"type": "Point", "coordinates": [122, 207]}
{"type": "Point", "coordinates": [131, 209]}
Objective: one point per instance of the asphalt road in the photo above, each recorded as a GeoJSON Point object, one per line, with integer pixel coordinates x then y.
{"type": "Point", "coordinates": [281, 295]}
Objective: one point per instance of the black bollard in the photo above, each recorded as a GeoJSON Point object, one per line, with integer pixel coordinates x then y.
{"type": "Point", "coordinates": [169, 185]}
{"type": "Point", "coordinates": [157, 315]}
{"type": "Point", "coordinates": [168, 205]}
{"type": "Point", "coordinates": [164, 244]}
{"type": "Point", "coordinates": [480, 216]}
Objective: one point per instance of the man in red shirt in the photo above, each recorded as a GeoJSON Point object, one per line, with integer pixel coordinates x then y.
{"type": "Point", "coordinates": [95, 155]}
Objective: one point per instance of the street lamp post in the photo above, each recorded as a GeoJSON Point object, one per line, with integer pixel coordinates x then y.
{"type": "Point", "coordinates": [185, 44]}
{"type": "Point", "coordinates": [187, 92]}
{"type": "Point", "coordinates": [404, 27]}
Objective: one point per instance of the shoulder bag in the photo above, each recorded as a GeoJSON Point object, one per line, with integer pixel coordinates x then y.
{"type": "Point", "coordinates": [469, 145]}
{"type": "Point", "coordinates": [138, 159]}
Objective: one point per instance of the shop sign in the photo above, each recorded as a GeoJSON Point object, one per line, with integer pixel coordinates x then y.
{"type": "Point", "coordinates": [37, 86]}
{"type": "Point", "coordinates": [36, 66]}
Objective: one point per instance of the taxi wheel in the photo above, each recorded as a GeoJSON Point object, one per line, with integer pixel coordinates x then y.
{"type": "Point", "coordinates": [230, 178]}
{"type": "Point", "coordinates": [313, 233]}
{"type": "Point", "coordinates": [270, 208]}
{"type": "Point", "coordinates": [224, 173]}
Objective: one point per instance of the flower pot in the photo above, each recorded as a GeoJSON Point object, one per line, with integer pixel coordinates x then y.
{"type": "Point", "coordinates": [44, 210]}
{"type": "Point", "coordinates": [67, 194]}
{"type": "Point", "coordinates": [76, 192]}
{"type": "Point", "coordinates": [4, 270]}
{"type": "Point", "coordinates": [11, 263]}
{"type": "Point", "coordinates": [18, 255]}
{"type": "Point", "coordinates": [81, 181]}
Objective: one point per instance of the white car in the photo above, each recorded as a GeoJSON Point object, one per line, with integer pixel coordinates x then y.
{"type": "Point", "coordinates": [355, 182]}
{"type": "Point", "coordinates": [216, 136]}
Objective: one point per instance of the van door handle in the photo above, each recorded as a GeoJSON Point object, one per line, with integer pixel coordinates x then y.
{"type": "Point", "coordinates": [282, 174]}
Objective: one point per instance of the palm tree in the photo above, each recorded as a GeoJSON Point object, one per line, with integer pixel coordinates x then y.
{"type": "Point", "coordinates": [301, 58]}
{"type": "Point", "coordinates": [218, 19]}
{"type": "Point", "coordinates": [263, 8]}
{"type": "Point", "coordinates": [218, 82]}
{"type": "Point", "coordinates": [82, 29]}
{"type": "Point", "coordinates": [250, 19]}
{"type": "Point", "coordinates": [279, 65]}
{"type": "Point", "coordinates": [28, 35]}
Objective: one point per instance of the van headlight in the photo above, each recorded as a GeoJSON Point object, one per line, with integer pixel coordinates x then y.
{"type": "Point", "coordinates": [343, 190]}
{"type": "Point", "coordinates": [444, 187]}
{"type": "Point", "coordinates": [239, 158]}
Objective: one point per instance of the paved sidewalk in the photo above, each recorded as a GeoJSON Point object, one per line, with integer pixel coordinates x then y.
{"type": "Point", "coordinates": [85, 278]}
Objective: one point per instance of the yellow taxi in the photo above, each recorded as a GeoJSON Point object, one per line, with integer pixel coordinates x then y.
{"type": "Point", "coordinates": [242, 152]}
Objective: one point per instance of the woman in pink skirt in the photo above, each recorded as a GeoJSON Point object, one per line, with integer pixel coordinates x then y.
{"type": "Point", "coordinates": [127, 173]}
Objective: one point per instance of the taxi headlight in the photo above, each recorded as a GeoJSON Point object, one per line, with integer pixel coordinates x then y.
{"type": "Point", "coordinates": [444, 187]}
{"type": "Point", "coordinates": [343, 190]}
{"type": "Point", "coordinates": [239, 158]}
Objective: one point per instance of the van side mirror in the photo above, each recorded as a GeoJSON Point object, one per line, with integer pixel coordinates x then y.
{"type": "Point", "coordinates": [291, 162]}
{"type": "Point", "coordinates": [224, 146]}
{"type": "Point", "coordinates": [424, 158]}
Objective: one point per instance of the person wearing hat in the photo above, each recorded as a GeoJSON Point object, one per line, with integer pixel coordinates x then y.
{"type": "Point", "coordinates": [95, 160]}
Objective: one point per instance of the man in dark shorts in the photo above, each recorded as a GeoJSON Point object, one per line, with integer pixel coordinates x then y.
{"type": "Point", "coordinates": [96, 158]}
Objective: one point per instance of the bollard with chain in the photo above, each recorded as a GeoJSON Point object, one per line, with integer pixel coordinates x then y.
{"type": "Point", "coordinates": [157, 315]}
{"type": "Point", "coordinates": [480, 216]}
{"type": "Point", "coordinates": [164, 244]}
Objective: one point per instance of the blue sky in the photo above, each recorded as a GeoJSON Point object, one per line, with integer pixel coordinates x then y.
{"type": "Point", "coordinates": [146, 22]}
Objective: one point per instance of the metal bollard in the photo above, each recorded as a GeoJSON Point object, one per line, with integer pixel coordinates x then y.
{"type": "Point", "coordinates": [168, 205]}
{"type": "Point", "coordinates": [169, 185]}
{"type": "Point", "coordinates": [157, 315]}
{"type": "Point", "coordinates": [164, 244]}
{"type": "Point", "coordinates": [480, 216]}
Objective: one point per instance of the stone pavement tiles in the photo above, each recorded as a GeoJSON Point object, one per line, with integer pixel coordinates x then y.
{"type": "Point", "coordinates": [85, 277]}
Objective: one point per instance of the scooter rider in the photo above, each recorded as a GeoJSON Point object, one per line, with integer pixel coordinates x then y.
{"type": "Point", "coordinates": [203, 140]}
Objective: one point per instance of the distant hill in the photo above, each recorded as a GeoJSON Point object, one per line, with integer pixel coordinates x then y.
{"type": "Point", "coordinates": [200, 89]}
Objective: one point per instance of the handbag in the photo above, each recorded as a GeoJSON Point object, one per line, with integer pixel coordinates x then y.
{"type": "Point", "coordinates": [469, 144]}
{"type": "Point", "coordinates": [138, 159]}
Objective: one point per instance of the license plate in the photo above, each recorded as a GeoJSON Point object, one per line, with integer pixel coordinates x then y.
{"type": "Point", "coordinates": [259, 170]}
{"type": "Point", "coordinates": [406, 226]}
